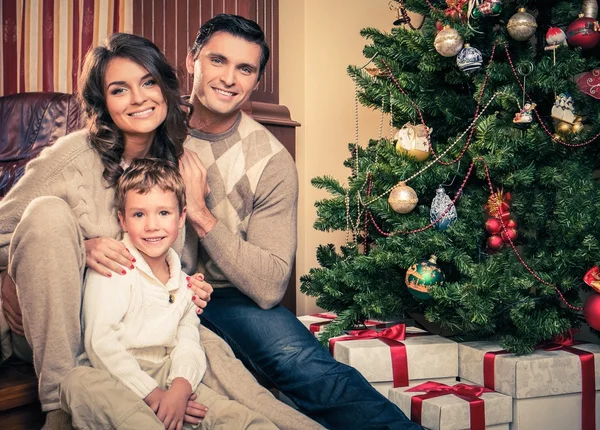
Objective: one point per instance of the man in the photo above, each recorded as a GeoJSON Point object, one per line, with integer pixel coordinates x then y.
{"type": "Point", "coordinates": [242, 218]}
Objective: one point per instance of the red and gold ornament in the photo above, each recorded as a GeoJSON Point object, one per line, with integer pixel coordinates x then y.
{"type": "Point", "coordinates": [591, 311]}
{"type": "Point", "coordinates": [498, 208]}
{"type": "Point", "coordinates": [584, 32]}
{"type": "Point", "coordinates": [592, 278]}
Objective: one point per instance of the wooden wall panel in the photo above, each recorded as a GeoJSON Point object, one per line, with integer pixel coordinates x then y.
{"type": "Point", "coordinates": [173, 25]}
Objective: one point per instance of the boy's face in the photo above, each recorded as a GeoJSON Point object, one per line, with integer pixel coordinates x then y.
{"type": "Point", "coordinates": [152, 221]}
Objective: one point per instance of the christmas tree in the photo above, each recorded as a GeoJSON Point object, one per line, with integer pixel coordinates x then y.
{"type": "Point", "coordinates": [498, 121]}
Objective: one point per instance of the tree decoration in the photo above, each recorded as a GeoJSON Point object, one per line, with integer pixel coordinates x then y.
{"type": "Point", "coordinates": [555, 37]}
{"type": "Point", "coordinates": [524, 117]}
{"type": "Point", "coordinates": [563, 113]}
{"type": "Point", "coordinates": [487, 8]}
{"type": "Point", "coordinates": [584, 32]}
{"type": "Point", "coordinates": [469, 59]}
{"type": "Point", "coordinates": [403, 198]}
{"type": "Point", "coordinates": [589, 83]}
{"type": "Point", "coordinates": [413, 140]}
{"type": "Point", "coordinates": [489, 293]}
{"type": "Point", "coordinates": [495, 243]}
{"type": "Point", "coordinates": [448, 42]}
{"type": "Point", "coordinates": [498, 205]}
{"type": "Point", "coordinates": [440, 204]}
{"type": "Point", "coordinates": [422, 276]}
{"type": "Point", "coordinates": [592, 278]}
{"type": "Point", "coordinates": [591, 311]}
{"type": "Point", "coordinates": [589, 8]}
{"type": "Point", "coordinates": [455, 9]}
{"type": "Point", "coordinates": [521, 26]}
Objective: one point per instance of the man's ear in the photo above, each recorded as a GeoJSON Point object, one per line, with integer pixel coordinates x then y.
{"type": "Point", "coordinates": [182, 217]}
{"type": "Point", "coordinates": [189, 63]}
{"type": "Point", "coordinates": [122, 222]}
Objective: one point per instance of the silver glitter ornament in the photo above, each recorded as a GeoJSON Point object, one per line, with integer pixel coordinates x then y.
{"type": "Point", "coordinates": [448, 42]}
{"type": "Point", "coordinates": [440, 203]}
{"type": "Point", "coordinates": [521, 26]}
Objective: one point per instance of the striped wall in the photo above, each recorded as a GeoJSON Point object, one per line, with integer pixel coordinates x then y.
{"type": "Point", "coordinates": [44, 41]}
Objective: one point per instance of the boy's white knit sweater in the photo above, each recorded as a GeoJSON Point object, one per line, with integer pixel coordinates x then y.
{"type": "Point", "coordinates": [128, 317]}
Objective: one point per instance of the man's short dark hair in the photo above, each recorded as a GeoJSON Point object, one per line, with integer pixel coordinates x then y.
{"type": "Point", "coordinates": [237, 26]}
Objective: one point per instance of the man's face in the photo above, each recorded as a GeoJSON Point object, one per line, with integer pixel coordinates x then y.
{"type": "Point", "coordinates": [225, 75]}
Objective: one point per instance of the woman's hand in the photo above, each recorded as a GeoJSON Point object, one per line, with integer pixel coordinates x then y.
{"type": "Point", "coordinates": [10, 304]}
{"type": "Point", "coordinates": [201, 289]}
{"type": "Point", "coordinates": [195, 412]}
{"type": "Point", "coordinates": [106, 255]}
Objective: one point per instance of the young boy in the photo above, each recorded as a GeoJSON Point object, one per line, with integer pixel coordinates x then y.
{"type": "Point", "coordinates": [141, 329]}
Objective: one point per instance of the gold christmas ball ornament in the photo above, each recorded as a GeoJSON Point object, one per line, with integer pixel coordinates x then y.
{"type": "Point", "coordinates": [521, 26]}
{"type": "Point", "coordinates": [403, 198]}
{"type": "Point", "coordinates": [577, 127]}
{"type": "Point", "coordinates": [563, 128]}
{"type": "Point", "coordinates": [412, 140]}
{"type": "Point", "coordinates": [448, 42]}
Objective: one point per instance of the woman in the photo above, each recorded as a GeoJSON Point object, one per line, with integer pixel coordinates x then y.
{"type": "Point", "coordinates": [60, 217]}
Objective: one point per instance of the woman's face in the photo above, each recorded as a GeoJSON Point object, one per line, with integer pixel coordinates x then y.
{"type": "Point", "coordinates": [134, 100]}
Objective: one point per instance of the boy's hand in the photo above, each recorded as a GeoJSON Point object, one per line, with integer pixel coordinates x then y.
{"type": "Point", "coordinates": [195, 412]}
{"type": "Point", "coordinates": [172, 407]}
{"type": "Point", "coordinates": [106, 255]}
{"type": "Point", "coordinates": [201, 289]}
{"type": "Point", "coordinates": [154, 398]}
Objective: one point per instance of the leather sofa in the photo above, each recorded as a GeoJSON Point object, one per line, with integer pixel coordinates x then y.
{"type": "Point", "coordinates": [28, 123]}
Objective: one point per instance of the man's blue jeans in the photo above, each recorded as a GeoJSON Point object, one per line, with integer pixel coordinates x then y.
{"type": "Point", "coordinates": [280, 349]}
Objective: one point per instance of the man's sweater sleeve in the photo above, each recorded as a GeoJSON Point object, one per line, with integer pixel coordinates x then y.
{"type": "Point", "coordinates": [105, 303]}
{"type": "Point", "coordinates": [188, 360]}
{"type": "Point", "coordinates": [260, 266]}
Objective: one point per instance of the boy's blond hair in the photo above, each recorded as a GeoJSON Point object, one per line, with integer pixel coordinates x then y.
{"type": "Point", "coordinates": [146, 173]}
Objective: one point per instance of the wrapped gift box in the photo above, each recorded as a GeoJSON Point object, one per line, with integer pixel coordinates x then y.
{"type": "Point", "coordinates": [315, 322]}
{"type": "Point", "coordinates": [546, 385]}
{"type": "Point", "coordinates": [451, 412]}
{"type": "Point", "coordinates": [427, 356]}
{"type": "Point", "coordinates": [560, 412]}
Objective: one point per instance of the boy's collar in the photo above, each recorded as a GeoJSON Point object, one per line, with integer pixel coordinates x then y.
{"type": "Point", "coordinates": [172, 258]}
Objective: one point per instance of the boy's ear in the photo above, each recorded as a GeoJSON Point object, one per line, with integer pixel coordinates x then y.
{"type": "Point", "coordinates": [122, 222]}
{"type": "Point", "coordinates": [182, 217]}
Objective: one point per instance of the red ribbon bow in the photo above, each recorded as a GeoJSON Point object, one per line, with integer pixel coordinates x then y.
{"type": "Point", "coordinates": [470, 393]}
{"type": "Point", "coordinates": [316, 327]}
{"type": "Point", "coordinates": [390, 336]}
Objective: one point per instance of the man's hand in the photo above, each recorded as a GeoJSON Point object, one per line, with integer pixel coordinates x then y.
{"type": "Point", "coordinates": [10, 304]}
{"type": "Point", "coordinates": [173, 406]}
{"type": "Point", "coordinates": [195, 412]}
{"type": "Point", "coordinates": [106, 255]}
{"type": "Point", "coordinates": [201, 289]}
{"type": "Point", "coordinates": [196, 190]}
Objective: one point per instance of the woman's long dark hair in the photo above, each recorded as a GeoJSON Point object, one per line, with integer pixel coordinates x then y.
{"type": "Point", "coordinates": [105, 136]}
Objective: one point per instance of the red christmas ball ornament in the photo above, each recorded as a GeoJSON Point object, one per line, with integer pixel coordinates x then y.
{"type": "Point", "coordinates": [511, 223]}
{"type": "Point", "coordinates": [495, 243]}
{"type": "Point", "coordinates": [510, 233]}
{"type": "Point", "coordinates": [439, 26]}
{"type": "Point", "coordinates": [584, 32]}
{"type": "Point", "coordinates": [493, 226]}
{"type": "Point", "coordinates": [591, 311]}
